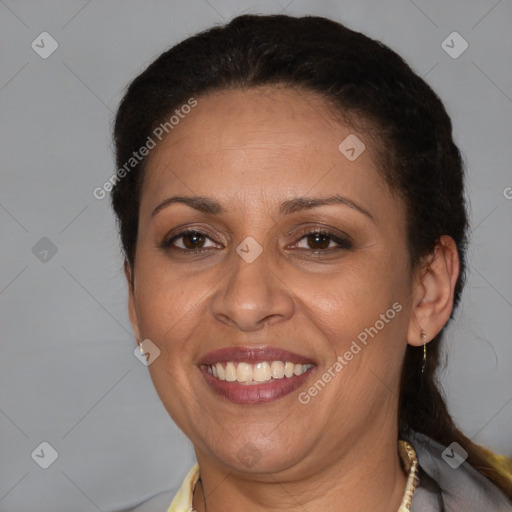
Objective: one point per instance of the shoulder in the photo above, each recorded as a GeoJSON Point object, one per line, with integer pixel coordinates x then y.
{"type": "Point", "coordinates": [158, 503]}
{"type": "Point", "coordinates": [177, 500]}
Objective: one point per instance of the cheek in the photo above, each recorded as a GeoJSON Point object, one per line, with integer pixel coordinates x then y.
{"type": "Point", "coordinates": [355, 296]}
{"type": "Point", "coordinates": [170, 311]}
{"type": "Point", "coordinates": [169, 306]}
{"type": "Point", "coordinates": [361, 317]}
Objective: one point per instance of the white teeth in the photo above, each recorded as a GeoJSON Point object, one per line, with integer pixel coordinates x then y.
{"type": "Point", "coordinates": [230, 372]}
{"type": "Point", "coordinates": [277, 369]}
{"type": "Point", "coordinates": [243, 372]}
{"type": "Point", "coordinates": [221, 373]}
{"type": "Point", "coordinates": [261, 372]}
{"type": "Point", "coordinates": [253, 374]}
{"type": "Point", "coordinates": [288, 369]}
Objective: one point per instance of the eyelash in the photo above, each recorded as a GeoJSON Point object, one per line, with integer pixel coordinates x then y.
{"type": "Point", "coordinates": [343, 243]}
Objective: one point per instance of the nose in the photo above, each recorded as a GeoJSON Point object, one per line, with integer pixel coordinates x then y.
{"type": "Point", "coordinates": [252, 295]}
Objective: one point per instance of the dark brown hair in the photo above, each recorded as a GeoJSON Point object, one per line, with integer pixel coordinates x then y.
{"type": "Point", "coordinates": [360, 77]}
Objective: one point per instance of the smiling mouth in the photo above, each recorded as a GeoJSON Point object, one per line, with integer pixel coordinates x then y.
{"type": "Point", "coordinates": [251, 384]}
{"type": "Point", "coordinates": [253, 374]}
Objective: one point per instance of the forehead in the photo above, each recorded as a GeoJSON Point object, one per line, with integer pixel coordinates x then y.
{"type": "Point", "coordinates": [257, 142]}
{"type": "Point", "coordinates": [276, 119]}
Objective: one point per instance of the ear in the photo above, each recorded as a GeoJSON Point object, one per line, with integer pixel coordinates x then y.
{"type": "Point", "coordinates": [132, 310]}
{"type": "Point", "coordinates": [433, 292]}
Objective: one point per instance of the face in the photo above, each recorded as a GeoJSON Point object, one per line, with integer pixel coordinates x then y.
{"type": "Point", "coordinates": [296, 254]}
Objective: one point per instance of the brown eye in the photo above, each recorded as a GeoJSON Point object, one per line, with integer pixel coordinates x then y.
{"type": "Point", "coordinates": [193, 240]}
{"type": "Point", "coordinates": [318, 241]}
{"type": "Point", "coordinates": [188, 241]}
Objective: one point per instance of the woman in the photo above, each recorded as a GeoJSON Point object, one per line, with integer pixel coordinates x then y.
{"type": "Point", "coordinates": [291, 208]}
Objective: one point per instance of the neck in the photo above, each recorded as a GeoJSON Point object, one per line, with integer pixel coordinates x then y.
{"type": "Point", "coordinates": [369, 476]}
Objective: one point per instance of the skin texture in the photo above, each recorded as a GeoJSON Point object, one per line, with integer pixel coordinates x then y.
{"type": "Point", "coordinates": [252, 150]}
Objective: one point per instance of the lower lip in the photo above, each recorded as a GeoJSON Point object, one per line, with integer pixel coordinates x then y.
{"type": "Point", "coordinates": [255, 393]}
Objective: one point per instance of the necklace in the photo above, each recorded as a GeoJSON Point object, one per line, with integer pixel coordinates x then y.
{"type": "Point", "coordinates": [410, 462]}
{"type": "Point", "coordinates": [408, 456]}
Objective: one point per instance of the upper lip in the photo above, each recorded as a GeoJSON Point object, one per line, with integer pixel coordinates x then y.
{"type": "Point", "coordinates": [253, 355]}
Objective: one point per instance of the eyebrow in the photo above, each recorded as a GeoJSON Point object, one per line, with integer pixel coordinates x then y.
{"type": "Point", "coordinates": [211, 206]}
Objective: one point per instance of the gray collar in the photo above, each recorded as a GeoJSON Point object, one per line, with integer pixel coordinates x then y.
{"type": "Point", "coordinates": [443, 489]}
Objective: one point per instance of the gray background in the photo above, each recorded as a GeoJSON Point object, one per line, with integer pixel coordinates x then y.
{"type": "Point", "coordinates": [68, 375]}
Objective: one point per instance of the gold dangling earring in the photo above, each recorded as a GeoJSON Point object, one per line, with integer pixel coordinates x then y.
{"type": "Point", "coordinates": [423, 335]}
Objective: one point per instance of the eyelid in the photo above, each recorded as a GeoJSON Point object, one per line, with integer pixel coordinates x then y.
{"type": "Point", "coordinates": [324, 230]}
{"type": "Point", "coordinates": [167, 241]}
{"type": "Point", "coordinates": [343, 241]}
{"type": "Point", "coordinates": [183, 229]}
